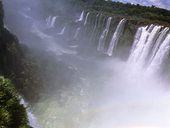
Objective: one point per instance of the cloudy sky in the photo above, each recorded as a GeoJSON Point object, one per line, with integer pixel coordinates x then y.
{"type": "Point", "coordinates": [159, 3]}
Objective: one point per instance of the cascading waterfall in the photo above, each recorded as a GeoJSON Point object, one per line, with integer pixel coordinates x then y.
{"type": "Point", "coordinates": [76, 33]}
{"type": "Point", "coordinates": [95, 27]}
{"type": "Point", "coordinates": [90, 91]}
{"type": "Point", "coordinates": [51, 21]}
{"type": "Point", "coordinates": [78, 29]}
{"type": "Point", "coordinates": [150, 47]}
{"type": "Point", "coordinates": [81, 17]}
{"type": "Point", "coordinates": [116, 36]}
{"type": "Point", "coordinates": [149, 43]}
{"type": "Point", "coordinates": [161, 38]}
{"type": "Point", "coordinates": [160, 56]}
{"type": "Point", "coordinates": [48, 21]}
{"type": "Point", "coordinates": [31, 118]}
{"type": "Point", "coordinates": [86, 19]}
{"type": "Point", "coordinates": [136, 39]}
{"type": "Point", "coordinates": [115, 39]}
{"type": "Point", "coordinates": [103, 36]}
{"type": "Point", "coordinates": [138, 44]}
{"type": "Point", "coordinates": [62, 31]}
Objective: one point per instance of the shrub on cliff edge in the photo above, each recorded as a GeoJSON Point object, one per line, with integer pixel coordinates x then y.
{"type": "Point", "coordinates": [12, 113]}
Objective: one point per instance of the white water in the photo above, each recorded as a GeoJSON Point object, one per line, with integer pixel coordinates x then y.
{"type": "Point", "coordinates": [51, 21]}
{"type": "Point", "coordinates": [139, 43]}
{"type": "Point", "coordinates": [62, 31]}
{"type": "Point", "coordinates": [31, 118]}
{"type": "Point", "coordinates": [109, 97]}
{"type": "Point", "coordinates": [103, 36]}
{"type": "Point", "coordinates": [160, 56]}
{"type": "Point", "coordinates": [86, 19]}
{"type": "Point", "coordinates": [136, 39]}
{"type": "Point", "coordinates": [81, 17]}
{"type": "Point", "coordinates": [76, 33]}
{"type": "Point", "coordinates": [161, 38]}
{"type": "Point", "coordinates": [149, 43]}
{"type": "Point", "coordinates": [116, 36]}
{"type": "Point", "coordinates": [48, 20]}
{"type": "Point", "coordinates": [95, 25]}
{"type": "Point", "coordinates": [150, 47]}
{"type": "Point", "coordinates": [104, 92]}
{"type": "Point", "coordinates": [107, 93]}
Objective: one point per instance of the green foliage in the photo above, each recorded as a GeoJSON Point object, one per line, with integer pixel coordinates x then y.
{"type": "Point", "coordinates": [132, 11]}
{"type": "Point", "coordinates": [12, 113]}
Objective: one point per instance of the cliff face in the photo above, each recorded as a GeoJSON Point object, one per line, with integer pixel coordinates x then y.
{"type": "Point", "coordinates": [12, 113]}
{"type": "Point", "coordinates": [17, 68]}
{"type": "Point", "coordinates": [10, 52]}
{"type": "Point", "coordinates": [98, 11]}
{"type": "Point", "coordinates": [13, 63]}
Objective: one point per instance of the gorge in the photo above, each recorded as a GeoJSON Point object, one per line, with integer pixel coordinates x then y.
{"type": "Point", "coordinates": [88, 64]}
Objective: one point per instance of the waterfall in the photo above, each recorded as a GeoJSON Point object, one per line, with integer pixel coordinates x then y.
{"type": "Point", "coordinates": [53, 21]}
{"type": "Point", "coordinates": [86, 19]}
{"type": "Point", "coordinates": [153, 35]}
{"type": "Point", "coordinates": [136, 39]}
{"type": "Point", "coordinates": [62, 31]}
{"type": "Point", "coordinates": [31, 118]}
{"type": "Point", "coordinates": [50, 21]}
{"type": "Point", "coordinates": [76, 33]}
{"type": "Point", "coordinates": [159, 41]}
{"type": "Point", "coordinates": [116, 36]}
{"type": "Point", "coordinates": [103, 36]}
{"type": "Point", "coordinates": [143, 44]}
{"type": "Point", "coordinates": [160, 56]}
{"type": "Point", "coordinates": [139, 43]}
{"type": "Point", "coordinates": [95, 27]}
{"type": "Point", "coordinates": [150, 47]}
{"type": "Point", "coordinates": [81, 17]}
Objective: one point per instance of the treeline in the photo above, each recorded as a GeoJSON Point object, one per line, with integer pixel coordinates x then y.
{"type": "Point", "coordinates": [130, 10]}
{"type": "Point", "coordinates": [107, 6]}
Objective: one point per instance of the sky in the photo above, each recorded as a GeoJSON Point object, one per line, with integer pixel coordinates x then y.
{"type": "Point", "coordinates": [159, 3]}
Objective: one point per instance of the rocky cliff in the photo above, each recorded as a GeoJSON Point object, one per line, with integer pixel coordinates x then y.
{"type": "Point", "coordinates": [12, 113]}
{"type": "Point", "coordinates": [13, 62]}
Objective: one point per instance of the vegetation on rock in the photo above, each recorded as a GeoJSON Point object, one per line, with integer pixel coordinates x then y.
{"type": "Point", "coordinates": [150, 14]}
{"type": "Point", "coordinates": [12, 113]}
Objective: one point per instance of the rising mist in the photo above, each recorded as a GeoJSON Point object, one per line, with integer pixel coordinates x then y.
{"type": "Point", "coordinates": [87, 84]}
